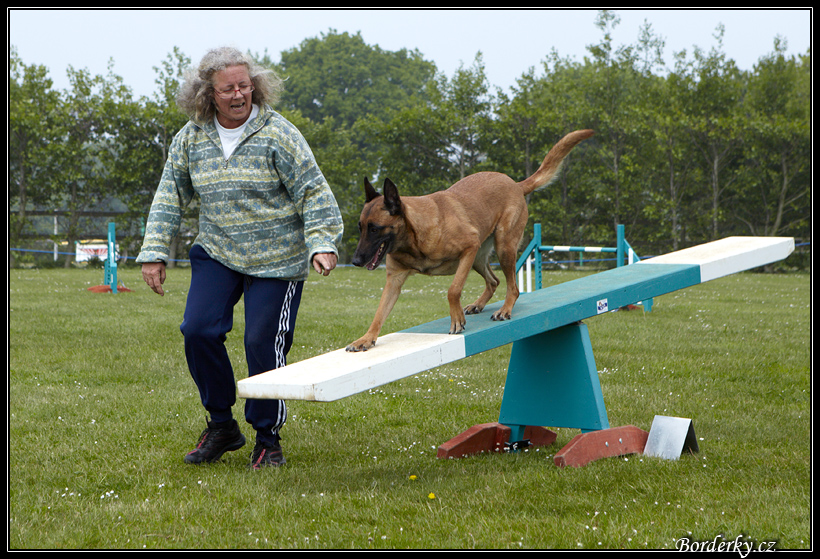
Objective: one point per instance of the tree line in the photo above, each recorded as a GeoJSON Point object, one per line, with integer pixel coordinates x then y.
{"type": "Point", "coordinates": [686, 151]}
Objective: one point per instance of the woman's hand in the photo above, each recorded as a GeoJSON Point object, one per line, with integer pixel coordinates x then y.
{"type": "Point", "coordinates": [154, 275]}
{"type": "Point", "coordinates": [324, 262]}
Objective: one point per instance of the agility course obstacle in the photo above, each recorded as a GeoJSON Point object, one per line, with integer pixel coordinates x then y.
{"type": "Point", "coordinates": [110, 269]}
{"type": "Point", "coordinates": [552, 379]}
{"type": "Point", "coordinates": [531, 259]}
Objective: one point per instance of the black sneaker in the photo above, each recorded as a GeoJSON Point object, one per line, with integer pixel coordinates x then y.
{"type": "Point", "coordinates": [267, 455]}
{"type": "Point", "coordinates": [215, 441]}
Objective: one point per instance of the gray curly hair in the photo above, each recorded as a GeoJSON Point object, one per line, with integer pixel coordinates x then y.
{"type": "Point", "coordinates": [197, 92]}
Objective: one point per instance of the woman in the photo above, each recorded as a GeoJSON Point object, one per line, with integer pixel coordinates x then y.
{"type": "Point", "coordinates": [266, 213]}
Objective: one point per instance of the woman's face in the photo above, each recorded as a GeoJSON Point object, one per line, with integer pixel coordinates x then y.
{"type": "Point", "coordinates": [235, 110]}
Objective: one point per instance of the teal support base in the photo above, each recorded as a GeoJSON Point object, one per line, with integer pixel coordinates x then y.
{"type": "Point", "coordinates": [552, 380]}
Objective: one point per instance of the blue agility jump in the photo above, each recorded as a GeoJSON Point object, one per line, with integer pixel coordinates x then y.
{"type": "Point", "coordinates": [552, 379]}
{"type": "Point", "coordinates": [623, 251]}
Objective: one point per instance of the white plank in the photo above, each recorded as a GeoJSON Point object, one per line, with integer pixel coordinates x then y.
{"type": "Point", "coordinates": [729, 256]}
{"type": "Point", "coordinates": [339, 373]}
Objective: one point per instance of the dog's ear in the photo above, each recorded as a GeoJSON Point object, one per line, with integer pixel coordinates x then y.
{"type": "Point", "coordinates": [369, 192]}
{"type": "Point", "coordinates": [392, 202]}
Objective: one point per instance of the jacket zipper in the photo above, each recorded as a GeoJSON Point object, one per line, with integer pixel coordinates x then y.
{"type": "Point", "coordinates": [247, 135]}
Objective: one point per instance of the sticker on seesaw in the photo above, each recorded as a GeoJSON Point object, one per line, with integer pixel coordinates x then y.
{"type": "Point", "coordinates": [603, 306]}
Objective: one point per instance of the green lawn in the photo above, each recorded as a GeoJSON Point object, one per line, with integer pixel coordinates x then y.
{"type": "Point", "coordinates": [102, 411]}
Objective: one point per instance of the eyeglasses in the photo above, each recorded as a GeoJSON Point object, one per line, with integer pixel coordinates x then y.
{"type": "Point", "coordinates": [230, 94]}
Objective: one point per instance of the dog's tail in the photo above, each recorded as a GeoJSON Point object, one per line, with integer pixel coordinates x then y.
{"type": "Point", "coordinates": [552, 162]}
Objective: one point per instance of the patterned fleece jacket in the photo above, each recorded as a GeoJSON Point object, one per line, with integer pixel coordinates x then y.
{"type": "Point", "coordinates": [265, 211]}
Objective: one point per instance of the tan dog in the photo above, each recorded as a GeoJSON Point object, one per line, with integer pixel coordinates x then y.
{"type": "Point", "coordinates": [450, 232]}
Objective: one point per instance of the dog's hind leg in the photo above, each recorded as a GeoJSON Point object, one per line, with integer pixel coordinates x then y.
{"type": "Point", "coordinates": [482, 266]}
{"type": "Point", "coordinates": [506, 256]}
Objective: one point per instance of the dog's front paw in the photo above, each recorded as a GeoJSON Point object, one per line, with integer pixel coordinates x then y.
{"type": "Point", "coordinates": [458, 326]}
{"type": "Point", "coordinates": [362, 344]}
{"type": "Point", "coordinates": [473, 309]}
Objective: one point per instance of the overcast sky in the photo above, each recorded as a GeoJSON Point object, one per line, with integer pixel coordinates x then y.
{"type": "Point", "coordinates": [511, 41]}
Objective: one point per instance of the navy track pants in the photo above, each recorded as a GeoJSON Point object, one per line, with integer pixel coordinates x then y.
{"type": "Point", "coordinates": [270, 317]}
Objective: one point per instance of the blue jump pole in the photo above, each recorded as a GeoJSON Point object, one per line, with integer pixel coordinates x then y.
{"type": "Point", "coordinates": [111, 260]}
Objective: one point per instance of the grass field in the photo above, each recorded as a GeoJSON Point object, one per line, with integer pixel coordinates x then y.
{"type": "Point", "coordinates": [102, 411]}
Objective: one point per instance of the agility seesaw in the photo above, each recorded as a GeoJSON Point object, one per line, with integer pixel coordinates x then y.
{"type": "Point", "coordinates": [552, 379]}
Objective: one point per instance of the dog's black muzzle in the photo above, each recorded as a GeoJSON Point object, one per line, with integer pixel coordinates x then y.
{"type": "Point", "coordinates": [373, 255]}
